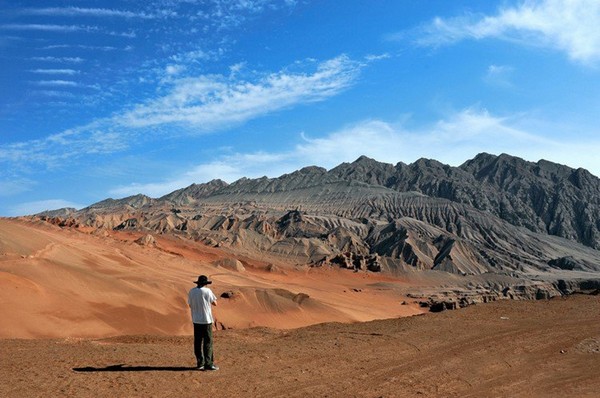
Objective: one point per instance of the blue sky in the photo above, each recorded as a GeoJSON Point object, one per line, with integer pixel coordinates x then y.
{"type": "Point", "coordinates": [106, 99]}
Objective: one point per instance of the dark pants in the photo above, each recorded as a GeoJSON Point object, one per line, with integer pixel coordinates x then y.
{"type": "Point", "coordinates": [203, 344]}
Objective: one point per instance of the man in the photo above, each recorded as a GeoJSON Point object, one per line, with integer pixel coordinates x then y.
{"type": "Point", "coordinates": [200, 300]}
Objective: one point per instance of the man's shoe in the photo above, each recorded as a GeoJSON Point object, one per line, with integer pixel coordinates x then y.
{"type": "Point", "coordinates": [211, 367]}
{"type": "Point", "coordinates": [200, 367]}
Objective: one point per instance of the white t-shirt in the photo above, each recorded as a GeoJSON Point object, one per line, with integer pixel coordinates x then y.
{"type": "Point", "coordinates": [200, 300]}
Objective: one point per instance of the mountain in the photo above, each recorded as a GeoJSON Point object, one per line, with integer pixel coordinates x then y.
{"type": "Point", "coordinates": [543, 197]}
{"type": "Point", "coordinates": [512, 226]}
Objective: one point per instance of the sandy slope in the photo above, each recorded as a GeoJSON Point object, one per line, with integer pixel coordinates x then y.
{"type": "Point", "coordinates": [501, 349]}
{"type": "Point", "coordinates": [66, 283]}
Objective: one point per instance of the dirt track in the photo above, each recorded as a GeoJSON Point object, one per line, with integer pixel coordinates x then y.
{"type": "Point", "coordinates": [542, 348]}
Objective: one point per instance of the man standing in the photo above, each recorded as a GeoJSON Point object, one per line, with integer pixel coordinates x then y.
{"type": "Point", "coordinates": [200, 300]}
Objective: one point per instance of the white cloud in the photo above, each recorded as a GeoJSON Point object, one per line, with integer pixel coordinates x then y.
{"type": "Point", "coordinates": [230, 14]}
{"type": "Point", "coordinates": [57, 83]}
{"type": "Point", "coordinates": [80, 46]}
{"type": "Point", "coordinates": [205, 102]}
{"type": "Point", "coordinates": [130, 34]}
{"type": "Point", "coordinates": [180, 65]}
{"type": "Point", "coordinates": [451, 140]}
{"type": "Point", "coordinates": [66, 29]}
{"type": "Point", "coordinates": [499, 75]}
{"type": "Point", "coordinates": [55, 71]}
{"type": "Point", "coordinates": [75, 60]}
{"type": "Point", "coordinates": [570, 26]}
{"type": "Point", "coordinates": [173, 70]}
{"type": "Point", "coordinates": [48, 27]}
{"type": "Point", "coordinates": [213, 102]}
{"type": "Point", "coordinates": [237, 68]}
{"type": "Point", "coordinates": [193, 56]}
{"type": "Point", "coordinates": [378, 57]}
{"type": "Point", "coordinates": [94, 138]}
{"type": "Point", "coordinates": [35, 207]}
{"type": "Point", "coordinates": [86, 12]}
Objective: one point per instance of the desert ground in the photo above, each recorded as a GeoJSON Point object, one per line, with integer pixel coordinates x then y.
{"type": "Point", "coordinates": [87, 314]}
{"type": "Point", "coordinates": [547, 348]}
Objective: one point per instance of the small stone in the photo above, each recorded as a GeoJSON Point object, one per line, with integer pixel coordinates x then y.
{"type": "Point", "coordinates": [228, 294]}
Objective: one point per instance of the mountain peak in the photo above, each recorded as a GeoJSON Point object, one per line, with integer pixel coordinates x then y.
{"type": "Point", "coordinates": [364, 159]}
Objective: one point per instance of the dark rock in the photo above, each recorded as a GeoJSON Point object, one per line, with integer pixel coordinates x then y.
{"type": "Point", "coordinates": [542, 294]}
{"type": "Point", "coordinates": [300, 298]}
{"type": "Point", "coordinates": [437, 307]}
{"type": "Point", "coordinates": [566, 263]}
{"type": "Point", "coordinates": [131, 223]}
{"type": "Point", "coordinates": [228, 294]}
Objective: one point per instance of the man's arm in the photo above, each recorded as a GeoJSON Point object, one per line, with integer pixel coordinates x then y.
{"type": "Point", "coordinates": [213, 299]}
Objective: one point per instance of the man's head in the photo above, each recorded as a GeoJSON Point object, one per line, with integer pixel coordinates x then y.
{"type": "Point", "coordinates": [203, 281]}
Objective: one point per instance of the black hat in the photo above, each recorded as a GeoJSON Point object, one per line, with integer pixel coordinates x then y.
{"type": "Point", "coordinates": [203, 280]}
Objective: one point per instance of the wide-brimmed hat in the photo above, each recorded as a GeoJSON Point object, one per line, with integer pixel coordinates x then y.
{"type": "Point", "coordinates": [203, 280]}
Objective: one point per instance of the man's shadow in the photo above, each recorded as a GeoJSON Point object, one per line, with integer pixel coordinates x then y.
{"type": "Point", "coordinates": [124, 368]}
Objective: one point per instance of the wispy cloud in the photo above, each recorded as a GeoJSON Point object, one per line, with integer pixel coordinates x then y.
{"type": "Point", "coordinates": [130, 34]}
{"type": "Point", "coordinates": [468, 132]}
{"type": "Point", "coordinates": [184, 61]}
{"type": "Point", "coordinates": [230, 14]}
{"type": "Point", "coordinates": [204, 103]}
{"type": "Point", "coordinates": [85, 12]}
{"type": "Point", "coordinates": [69, 145]}
{"type": "Point", "coordinates": [193, 56]}
{"type": "Point", "coordinates": [377, 57]}
{"type": "Point", "coordinates": [57, 83]}
{"type": "Point", "coordinates": [55, 71]}
{"type": "Point", "coordinates": [173, 70]}
{"type": "Point", "coordinates": [67, 29]}
{"type": "Point", "coordinates": [499, 75]}
{"type": "Point", "coordinates": [79, 46]}
{"type": "Point", "coordinates": [48, 28]}
{"type": "Point", "coordinates": [570, 26]}
{"type": "Point", "coordinates": [211, 102]}
{"type": "Point", "coordinates": [75, 60]}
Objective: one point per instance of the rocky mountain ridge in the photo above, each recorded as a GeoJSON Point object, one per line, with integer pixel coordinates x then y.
{"type": "Point", "coordinates": [531, 225]}
{"type": "Point", "coordinates": [543, 197]}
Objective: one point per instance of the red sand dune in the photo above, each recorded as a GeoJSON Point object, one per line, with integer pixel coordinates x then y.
{"type": "Point", "coordinates": [64, 283]}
